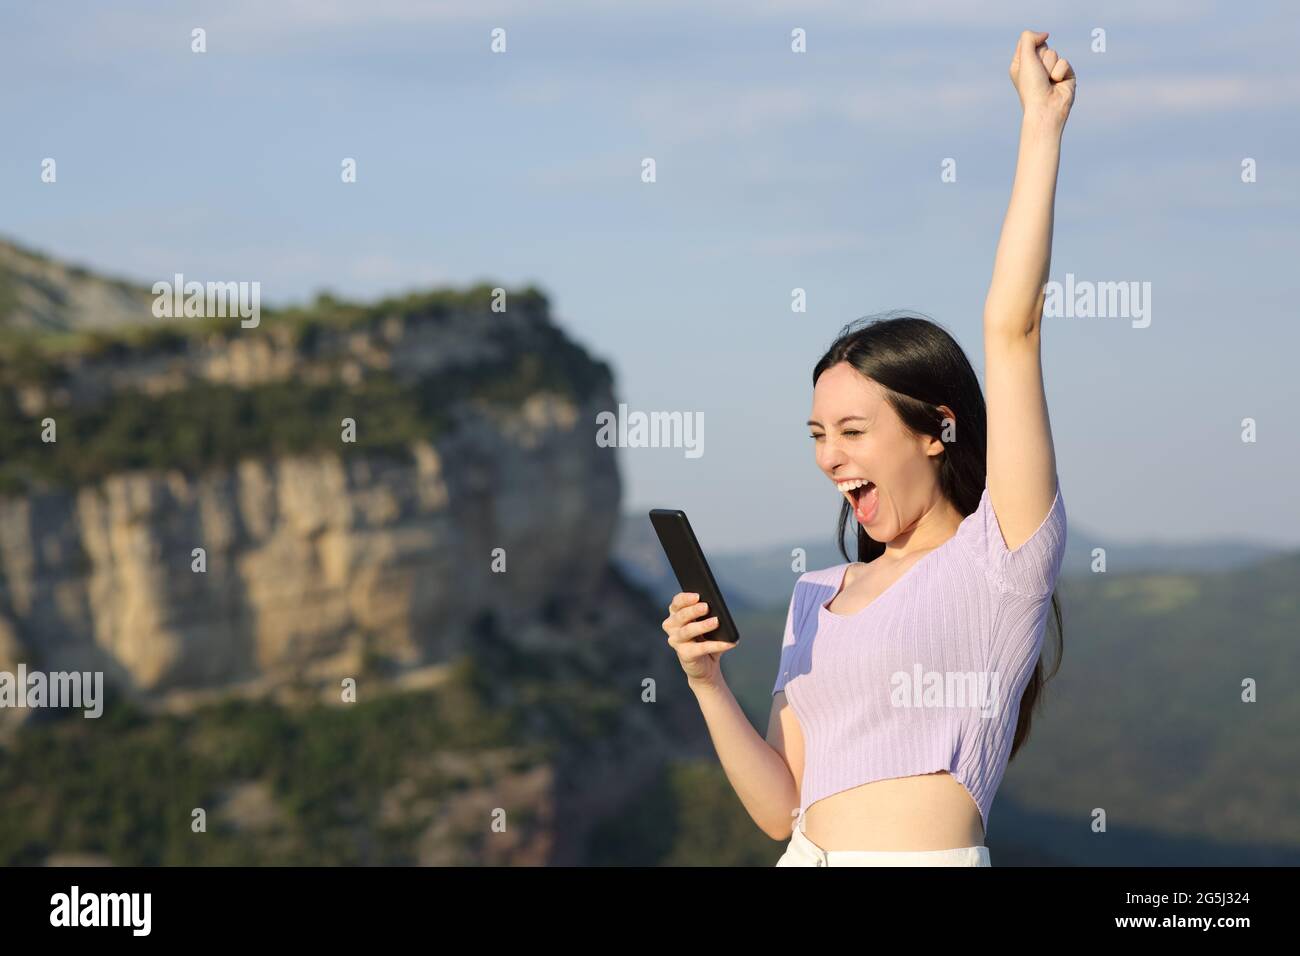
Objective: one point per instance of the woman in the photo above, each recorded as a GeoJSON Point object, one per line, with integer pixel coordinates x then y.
{"type": "Point", "coordinates": [907, 678]}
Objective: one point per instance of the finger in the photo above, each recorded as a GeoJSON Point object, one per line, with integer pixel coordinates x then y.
{"type": "Point", "coordinates": [1049, 58]}
{"type": "Point", "coordinates": [706, 647]}
{"type": "Point", "coordinates": [683, 635]}
{"type": "Point", "coordinates": [1029, 41]}
{"type": "Point", "coordinates": [683, 599]}
{"type": "Point", "coordinates": [1061, 70]}
{"type": "Point", "coordinates": [688, 614]}
{"type": "Point", "coordinates": [681, 613]}
{"type": "Point", "coordinates": [700, 627]}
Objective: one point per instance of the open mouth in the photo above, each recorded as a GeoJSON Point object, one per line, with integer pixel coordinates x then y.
{"type": "Point", "coordinates": [855, 494]}
{"type": "Point", "coordinates": [864, 500]}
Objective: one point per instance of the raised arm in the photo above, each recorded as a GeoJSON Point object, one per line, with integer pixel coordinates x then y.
{"type": "Point", "coordinates": [1021, 460]}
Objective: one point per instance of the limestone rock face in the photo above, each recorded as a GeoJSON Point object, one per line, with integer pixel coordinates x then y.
{"type": "Point", "coordinates": [310, 561]}
{"type": "Point", "coordinates": [314, 563]}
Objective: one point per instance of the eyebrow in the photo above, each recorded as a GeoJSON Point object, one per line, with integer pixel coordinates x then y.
{"type": "Point", "coordinates": [846, 418]}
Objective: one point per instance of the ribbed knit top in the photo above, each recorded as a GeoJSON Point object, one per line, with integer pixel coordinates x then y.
{"type": "Point", "coordinates": [929, 675]}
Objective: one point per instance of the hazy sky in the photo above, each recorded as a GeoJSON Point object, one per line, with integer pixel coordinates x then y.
{"type": "Point", "coordinates": [775, 171]}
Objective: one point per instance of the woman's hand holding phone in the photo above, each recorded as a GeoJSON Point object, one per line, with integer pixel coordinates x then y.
{"type": "Point", "coordinates": [699, 659]}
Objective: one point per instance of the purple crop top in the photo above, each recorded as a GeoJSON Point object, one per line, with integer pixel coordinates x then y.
{"type": "Point", "coordinates": [929, 675]}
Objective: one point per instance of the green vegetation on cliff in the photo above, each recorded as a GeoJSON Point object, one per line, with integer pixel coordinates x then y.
{"type": "Point", "coordinates": [205, 424]}
{"type": "Point", "coordinates": [346, 784]}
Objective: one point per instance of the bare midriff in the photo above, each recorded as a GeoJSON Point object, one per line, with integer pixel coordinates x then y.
{"type": "Point", "coordinates": [929, 811]}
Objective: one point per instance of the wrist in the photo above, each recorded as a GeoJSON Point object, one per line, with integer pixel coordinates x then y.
{"type": "Point", "coordinates": [1040, 129]}
{"type": "Point", "coordinates": [706, 687]}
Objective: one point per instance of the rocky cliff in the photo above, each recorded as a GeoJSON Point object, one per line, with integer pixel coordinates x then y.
{"type": "Point", "coordinates": [472, 490]}
{"type": "Point", "coordinates": [407, 492]}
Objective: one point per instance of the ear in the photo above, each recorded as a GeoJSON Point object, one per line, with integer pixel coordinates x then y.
{"type": "Point", "coordinates": [947, 412]}
{"type": "Point", "coordinates": [936, 446]}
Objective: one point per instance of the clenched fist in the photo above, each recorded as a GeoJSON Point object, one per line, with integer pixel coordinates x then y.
{"type": "Point", "coordinates": [1044, 81]}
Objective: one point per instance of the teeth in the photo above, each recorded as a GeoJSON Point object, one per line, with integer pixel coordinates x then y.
{"type": "Point", "coordinates": [847, 486]}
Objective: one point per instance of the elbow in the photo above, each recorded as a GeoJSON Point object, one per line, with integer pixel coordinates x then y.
{"type": "Point", "coordinates": [782, 827]}
{"type": "Point", "coordinates": [780, 830]}
{"type": "Point", "coordinates": [1012, 329]}
{"type": "Point", "coordinates": [1011, 321]}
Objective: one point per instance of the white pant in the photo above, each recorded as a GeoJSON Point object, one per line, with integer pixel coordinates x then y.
{"type": "Point", "coordinates": [804, 852]}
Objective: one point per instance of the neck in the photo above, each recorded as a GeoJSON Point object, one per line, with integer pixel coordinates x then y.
{"type": "Point", "coordinates": [937, 524]}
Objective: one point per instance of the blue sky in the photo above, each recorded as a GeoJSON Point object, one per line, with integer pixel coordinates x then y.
{"type": "Point", "coordinates": [775, 170]}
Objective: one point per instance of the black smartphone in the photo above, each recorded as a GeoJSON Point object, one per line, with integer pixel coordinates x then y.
{"type": "Point", "coordinates": [693, 574]}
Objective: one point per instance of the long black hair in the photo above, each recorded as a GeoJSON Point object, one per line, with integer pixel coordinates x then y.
{"type": "Point", "coordinates": [921, 366]}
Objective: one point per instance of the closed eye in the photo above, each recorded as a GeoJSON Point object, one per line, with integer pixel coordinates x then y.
{"type": "Point", "coordinates": [850, 432]}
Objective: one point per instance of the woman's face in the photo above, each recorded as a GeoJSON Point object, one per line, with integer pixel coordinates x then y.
{"type": "Point", "coordinates": [857, 434]}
